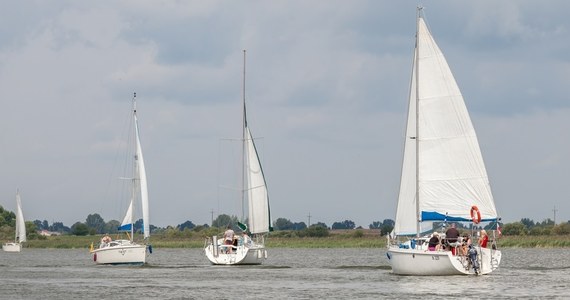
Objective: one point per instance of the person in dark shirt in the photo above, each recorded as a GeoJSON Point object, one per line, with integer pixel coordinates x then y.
{"type": "Point", "coordinates": [433, 244]}
{"type": "Point", "coordinates": [451, 236]}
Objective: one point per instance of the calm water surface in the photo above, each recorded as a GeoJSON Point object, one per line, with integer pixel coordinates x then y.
{"type": "Point", "coordinates": [287, 274]}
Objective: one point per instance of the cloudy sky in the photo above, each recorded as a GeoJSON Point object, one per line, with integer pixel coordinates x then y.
{"type": "Point", "coordinates": [327, 86]}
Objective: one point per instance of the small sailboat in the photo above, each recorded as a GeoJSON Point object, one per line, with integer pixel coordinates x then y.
{"type": "Point", "coordinates": [16, 246]}
{"type": "Point", "coordinates": [443, 174]}
{"type": "Point", "coordinates": [246, 250]}
{"type": "Point", "coordinates": [127, 251]}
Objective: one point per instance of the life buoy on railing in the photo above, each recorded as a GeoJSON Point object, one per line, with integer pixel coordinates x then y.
{"type": "Point", "coordinates": [475, 214]}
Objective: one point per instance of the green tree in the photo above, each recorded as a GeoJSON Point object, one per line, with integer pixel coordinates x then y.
{"type": "Point", "coordinates": [516, 228]}
{"type": "Point", "coordinates": [7, 217]}
{"type": "Point", "coordinates": [346, 224]}
{"type": "Point", "coordinates": [79, 229]}
{"type": "Point", "coordinates": [112, 226]}
{"type": "Point", "coordinates": [282, 224]}
{"type": "Point", "coordinates": [561, 229]}
{"type": "Point", "coordinates": [188, 224]}
{"type": "Point", "coordinates": [95, 222]}
{"type": "Point", "coordinates": [314, 231]}
{"type": "Point", "coordinates": [387, 226]}
{"type": "Point", "coordinates": [528, 223]}
{"type": "Point", "coordinates": [223, 220]}
{"type": "Point", "coordinates": [375, 225]}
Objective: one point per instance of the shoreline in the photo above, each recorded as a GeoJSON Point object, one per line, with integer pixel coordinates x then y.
{"type": "Point", "coordinates": [342, 240]}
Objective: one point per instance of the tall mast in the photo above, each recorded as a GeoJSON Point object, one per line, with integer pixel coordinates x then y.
{"type": "Point", "coordinates": [418, 217]}
{"type": "Point", "coordinates": [243, 146]}
{"type": "Point", "coordinates": [134, 168]}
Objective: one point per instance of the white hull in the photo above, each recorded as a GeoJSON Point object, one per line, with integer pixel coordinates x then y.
{"type": "Point", "coordinates": [12, 247]}
{"type": "Point", "coordinates": [240, 255]}
{"type": "Point", "coordinates": [130, 254]}
{"type": "Point", "coordinates": [431, 263]}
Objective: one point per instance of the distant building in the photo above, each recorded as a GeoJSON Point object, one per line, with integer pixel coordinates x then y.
{"type": "Point", "coordinates": [48, 233]}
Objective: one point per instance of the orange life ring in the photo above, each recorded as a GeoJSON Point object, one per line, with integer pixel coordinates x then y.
{"type": "Point", "coordinates": [475, 214]}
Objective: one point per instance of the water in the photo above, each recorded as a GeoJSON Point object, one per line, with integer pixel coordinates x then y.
{"type": "Point", "coordinates": [287, 274]}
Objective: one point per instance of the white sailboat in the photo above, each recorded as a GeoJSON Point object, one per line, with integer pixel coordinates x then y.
{"type": "Point", "coordinates": [127, 251]}
{"type": "Point", "coordinates": [443, 174]}
{"type": "Point", "coordinates": [248, 251]}
{"type": "Point", "coordinates": [20, 238]}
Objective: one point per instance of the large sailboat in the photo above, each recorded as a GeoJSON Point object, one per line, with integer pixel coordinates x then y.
{"type": "Point", "coordinates": [16, 246]}
{"type": "Point", "coordinates": [246, 250]}
{"type": "Point", "coordinates": [443, 174]}
{"type": "Point", "coordinates": [127, 251]}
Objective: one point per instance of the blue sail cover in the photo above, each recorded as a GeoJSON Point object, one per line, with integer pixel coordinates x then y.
{"type": "Point", "coordinates": [435, 216]}
{"type": "Point", "coordinates": [126, 227]}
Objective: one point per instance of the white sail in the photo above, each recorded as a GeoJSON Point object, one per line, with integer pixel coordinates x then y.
{"type": "Point", "coordinates": [443, 174]}
{"type": "Point", "coordinates": [20, 223]}
{"type": "Point", "coordinates": [256, 189]}
{"type": "Point", "coordinates": [450, 172]}
{"type": "Point", "coordinates": [143, 183]}
{"type": "Point", "coordinates": [406, 217]}
{"type": "Point", "coordinates": [127, 223]}
{"type": "Point", "coordinates": [139, 186]}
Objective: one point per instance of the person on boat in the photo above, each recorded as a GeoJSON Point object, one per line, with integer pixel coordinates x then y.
{"type": "Point", "coordinates": [483, 239]}
{"type": "Point", "coordinates": [105, 241]}
{"type": "Point", "coordinates": [246, 239]}
{"type": "Point", "coordinates": [465, 243]}
{"type": "Point", "coordinates": [434, 243]}
{"type": "Point", "coordinates": [229, 239]}
{"type": "Point", "coordinates": [451, 236]}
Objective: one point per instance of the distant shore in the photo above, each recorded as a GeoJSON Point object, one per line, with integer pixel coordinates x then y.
{"type": "Point", "coordinates": [342, 239]}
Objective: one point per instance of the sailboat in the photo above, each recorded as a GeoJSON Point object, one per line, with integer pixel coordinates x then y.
{"type": "Point", "coordinates": [443, 174]}
{"type": "Point", "coordinates": [246, 250]}
{"type": "Point", "coordinates": [127, 251]}
{"type": "Point", "coordinates": [20, 238]}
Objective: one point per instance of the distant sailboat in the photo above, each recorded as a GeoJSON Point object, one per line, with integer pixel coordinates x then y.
{"type": "Point", "coordinates": [248, 250]}
{"type": "Point", "coordinates": [127, 251]}
{"type": "Point", "coordinates": [443, 174]}
{"type": "Point", "coordinates": [16, 246]}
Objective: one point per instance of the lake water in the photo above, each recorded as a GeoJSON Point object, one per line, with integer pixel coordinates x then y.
{"type": "Point", "coordinates": [287, 274]}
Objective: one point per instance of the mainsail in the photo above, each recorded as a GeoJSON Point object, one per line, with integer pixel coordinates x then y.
{"type": "Point", "coordinates": [256, 189]}
{"type": "Point", "coordinates": [443, 168]}
{"type": "Point", "coordinates": [20, 223]}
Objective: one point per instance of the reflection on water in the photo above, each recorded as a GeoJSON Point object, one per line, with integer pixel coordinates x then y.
{"type": "Point", "coordinates": [288, 273]}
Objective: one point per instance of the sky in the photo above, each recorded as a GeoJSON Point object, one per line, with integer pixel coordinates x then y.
{"type": "Point", "coordinates": [326, 88]}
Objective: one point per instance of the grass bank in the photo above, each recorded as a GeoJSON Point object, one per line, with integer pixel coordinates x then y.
{"type": "Point", "coordinates": [336, 239]}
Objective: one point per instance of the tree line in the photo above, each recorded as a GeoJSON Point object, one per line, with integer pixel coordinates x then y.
{"type": "Point", "coordinates": [95, 224]}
